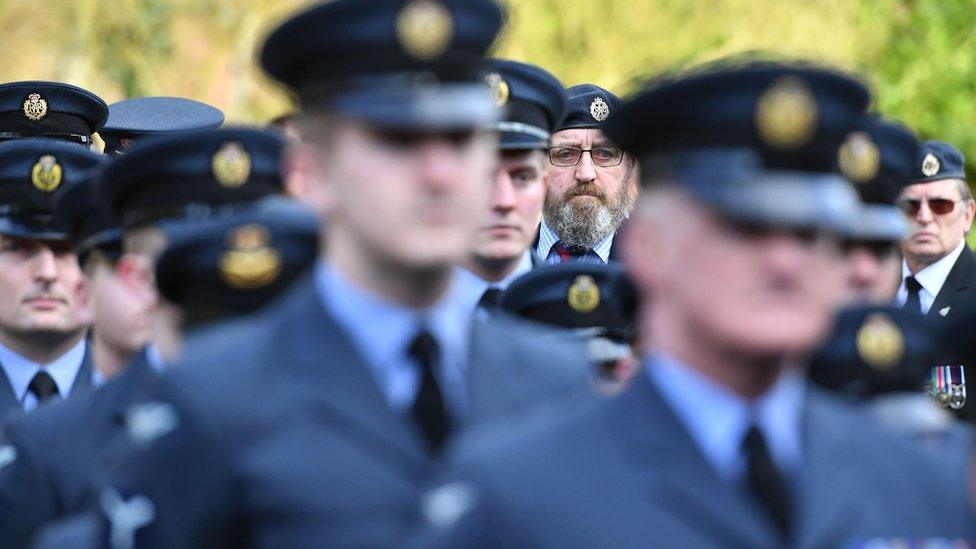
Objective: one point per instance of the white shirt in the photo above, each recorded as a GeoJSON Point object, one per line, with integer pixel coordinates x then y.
{"type": "Point", "coordinates": [21, 371]}
{"type": "Point", "coordinates": [382, 331]}
{"type": "Point", "coordinates": [548, 239]}
{"type": "Point", "coordinates": [932, 278]}
{"type": "Point", "coordinates": [718, 419]}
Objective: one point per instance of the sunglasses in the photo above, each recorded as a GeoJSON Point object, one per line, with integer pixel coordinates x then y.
{"type": "Point", "coordinates": [879, 249]}
{"type": "Point", "coordinates": [939, 206]}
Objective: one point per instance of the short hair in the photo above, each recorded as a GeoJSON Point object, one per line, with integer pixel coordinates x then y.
{"type": "Point", "coordinates": [964, 191]}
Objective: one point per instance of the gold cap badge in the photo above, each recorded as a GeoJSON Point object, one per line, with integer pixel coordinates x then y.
{"type": "Point", "coordinates": [35, 107]}
{"type": "Point", "coordinates": [249, 263]}
{"type": "Point", "coordinates": [46, 173]}
{"type": "Point", "coordinates": [498, 88]}
{"type": "Point", "coordinates": [786, 114]}
{"type": "Point", "coordinates": [930, 165]}
{"type": "Point", "coordinates": [880, 343]}
{"type": "Point", "coordinates": [859, 158]}
{"type": "Point", "coordinates": [584, 294]}
{"type": "Point", "coordinates": [231, 165]}
{"type": "Point", "coordinates": [425, 29]}
{"type": "Point", "coordinates": [599, 109]}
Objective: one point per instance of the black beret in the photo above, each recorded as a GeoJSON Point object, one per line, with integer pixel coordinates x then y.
{"type": "Point", "coordinates": [193, 173]}
{"type": "Point", "coordinates": [938, 161]}
{"type": "Point", "coordinates": [141, 117]}
{"type": "Point", "coordinates": [34, 174]}
{"type": "Point", "coordinates": [533, 101]}
{"type": "Point", "coordinates": [588, 106]}
{"type": "Point", "coordinates": [50, 109]}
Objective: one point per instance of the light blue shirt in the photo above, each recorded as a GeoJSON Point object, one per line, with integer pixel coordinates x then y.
{"type": "Point", "coordinates": [382, 331]}
{"type": "Point", "coordinates": [153, 358]}
{"type": "Point", "coordinates": [547, 239]}
{"type": "Point", "coordinates": [21, 371]}
{"type": "Point", "coordinates": [718, 419]}
{"type": "Point", "coordinates": [477, 286]}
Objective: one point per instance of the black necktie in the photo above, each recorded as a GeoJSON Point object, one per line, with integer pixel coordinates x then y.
{"type": "Point", "coordinates": [914, 302]}
{"type": "Point", "coordinates": [43, 386]}
{"type": "Point", "coordinates": [489, 299]}
{"type": "Point", "coordinates": [428, 408]}
{"type": "Point", "coordinates": [569, 253]}
{"type": "Point", "coordinates": [765, 481]}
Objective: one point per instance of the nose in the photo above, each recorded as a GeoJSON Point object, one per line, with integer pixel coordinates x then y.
{"type": "Point", "coordinates": [924, 214]}
{"type": "Point", "coordinates": [502, 197]}
{"type": "Point", "coordinates": [862, 267]}
{"type": "Point", "coordinates": [439, 163]}
{"type": "Point", "coordinates": [585, 170]}
{"type": "Point", "coordinates": [45, 268]}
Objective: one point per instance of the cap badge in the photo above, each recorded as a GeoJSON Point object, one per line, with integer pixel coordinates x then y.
{"type": "Point", "coordinates": [46, 173]}
{"type": "Point", "coordinates": [859, 158]}
{"type": "Point", "coordinates": [599, 109]}
{"type": "Point", "coordinates": [584, 294]}
{"type": "Point", "coordinates": [930, 165]}
{"type": "Point", "coordinates": [35, 107]}
{"type": "Point", "coordinates": [231, 165]}
{"type": "Point", "coordinates": [786, 114]}
{"type": "Point", "coordinates": [424, 29]}
{"type": "Point", "coordinates": [498, 88]}
{"type": "Point", "coordinates": [880, 343]}
{"type": "Point", "coordinates": [249, 262]}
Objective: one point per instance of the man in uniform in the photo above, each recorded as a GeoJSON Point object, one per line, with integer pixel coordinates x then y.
{"type": "Point", "coordinates": [502, 248]}
{"type": "Point", "coordinates": [132, 120]}
{"type": "Point", "coordinates": [938, 271]}
{"type": "Point", "coordinates": [721, 442]}
{"type": "Point", "coordinates": [50, 109]}
{"type": "Point", "coordinates": [211, 269]}
{"type": "Point", "coordinates": [317, 422]}
{"type": "Point", "coordinates": [889, 151]}
{"type": "Point", "coordinates": [589, 183]}
{"type": "Point", "coordinates": [43, 305]}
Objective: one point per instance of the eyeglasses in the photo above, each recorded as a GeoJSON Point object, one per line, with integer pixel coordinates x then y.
{"type": "Point", "coordinates": [567, 157]}
{"type": "Point", "coordinates": [939, 206]}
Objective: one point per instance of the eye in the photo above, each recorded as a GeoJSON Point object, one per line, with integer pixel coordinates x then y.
{"type": "Point", "coordinates": [565, 154]}
{"type": "Point", "coordinates": [522, 178]}
{"type": "Point", "coordinates": [606, 153]}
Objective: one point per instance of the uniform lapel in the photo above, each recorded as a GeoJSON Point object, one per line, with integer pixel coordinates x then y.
{"type": "Point", "coordinates": [680, 479]}
{"type": "Point", "coordinates": [327, 365]}
{"type": "Point", "coordinates": [828, 481]}
{"type": "Point", "coordinates": [83, 380]}
{"type": "Point", "coordinates": [960, 279]}
{"type": "Point", "coordinates": [8, 399]}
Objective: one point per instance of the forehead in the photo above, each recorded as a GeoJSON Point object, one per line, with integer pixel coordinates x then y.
{"type": "Point", "coordinates": [579, 136]}
{"type": "Point", "coordinates": [945, 188]}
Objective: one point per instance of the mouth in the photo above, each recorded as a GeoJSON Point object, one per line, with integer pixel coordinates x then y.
{"type": "Point", "coordinates": [45, 302]}
{"type": "Point", "coordinates": [501, 227]}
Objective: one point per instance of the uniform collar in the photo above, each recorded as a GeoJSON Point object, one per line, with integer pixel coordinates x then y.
{"type": "Point", "coordinates": [381, 331]}
{"type": "Point", "coordinates": [64, 369]}
{"type": "Point", "coordinates": [717, 418]}
{"type": "Point", "coordinates": [933, 277]}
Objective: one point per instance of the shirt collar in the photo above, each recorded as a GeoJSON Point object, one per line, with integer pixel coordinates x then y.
{"type": "Point", "coordinates": [933, 277]}
{"type": "Point", "coordinates": [64, 369]}
{"type": "Point", "coordinates": [548, 239]}
{"type": "Point", "coordinates": [717, 419]}
{"type": "Point", "coordinates": [381, 330]}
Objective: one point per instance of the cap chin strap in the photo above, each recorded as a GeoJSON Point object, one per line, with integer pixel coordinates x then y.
{"type": "Point", "coordinates": [74, 138]}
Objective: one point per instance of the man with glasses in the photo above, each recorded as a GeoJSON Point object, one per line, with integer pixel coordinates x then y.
{"type": "Point", "coordinates": [589, 183]}
{"type": "Point", "coordinates": [938, 271]}
{"type": "Point", "coordinates": [50, 109]}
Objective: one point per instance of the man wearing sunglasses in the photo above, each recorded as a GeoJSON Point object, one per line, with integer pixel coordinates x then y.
{"type": "Point", "coordinates": [589, 183]}
{"type": "Point", "coordinates": [938, 271]}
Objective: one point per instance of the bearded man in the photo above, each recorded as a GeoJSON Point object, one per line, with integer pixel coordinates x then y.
{"type": "Point", "coordinates": [590, 187]}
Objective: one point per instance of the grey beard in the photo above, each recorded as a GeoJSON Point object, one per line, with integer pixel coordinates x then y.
{"type": "Point", "coordinates": [587, 225]}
